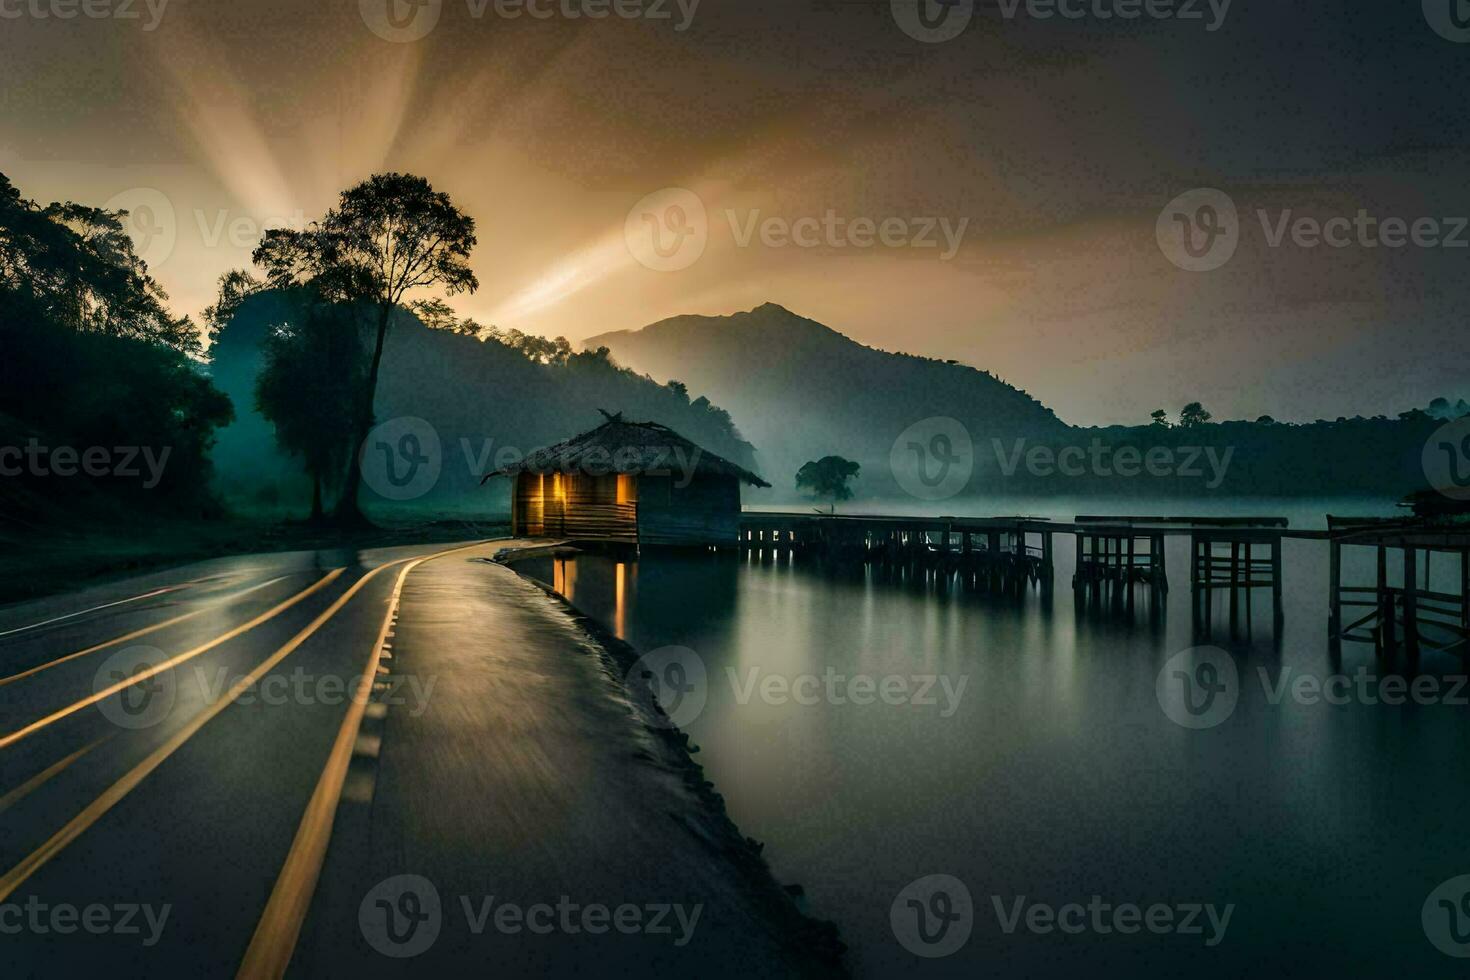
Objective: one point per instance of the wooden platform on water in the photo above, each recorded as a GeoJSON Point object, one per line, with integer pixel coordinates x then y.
{"type": "Point", "coordinates": [1231, 559]}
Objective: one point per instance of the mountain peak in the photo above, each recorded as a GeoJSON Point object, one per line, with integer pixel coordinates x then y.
{"type": "Point", "coordinates": [770, 308]}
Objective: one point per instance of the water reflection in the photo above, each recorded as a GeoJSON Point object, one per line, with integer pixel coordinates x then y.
{"type": "Point", "coordinates": [1038, 761]}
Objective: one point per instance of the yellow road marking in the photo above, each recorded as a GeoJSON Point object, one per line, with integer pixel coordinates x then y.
{"type": "Point", "coordinates": [110, 797]}
{"type": "Point", "coordinates": [135, 634]}
{"type": "Point", "coordinates": [114, 794]}
{"type": "Point", "coordinates": [83, 612]}
{"type": "Point", "coordinates": [280, 924]}
{"type": "Point", "coordinates": [35, 782]}
{"type": "Point", "coordinates": [142, 675]}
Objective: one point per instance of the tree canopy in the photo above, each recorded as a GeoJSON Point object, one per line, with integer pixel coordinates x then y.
{"type": "Point", "coordinates": [827, 478]}
{"type": "Point", "coordinates": [75, 266]}
{"type": "Point", "coordinates": [387, 236]}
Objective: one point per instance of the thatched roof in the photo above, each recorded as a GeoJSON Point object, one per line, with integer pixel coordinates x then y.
{"type": "Point", "coordinates": [634, 448]}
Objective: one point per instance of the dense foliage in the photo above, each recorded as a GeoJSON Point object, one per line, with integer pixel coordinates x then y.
{"type": "Point", "coordinates": [93, 360]}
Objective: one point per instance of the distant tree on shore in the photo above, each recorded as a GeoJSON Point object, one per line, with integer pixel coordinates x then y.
{"type": "Point", "coordinates": [1160, 418]}
{"type": "Point", "coordinates": [827, 479]}
{"type": "Point", "coordinates": [1193, 415]}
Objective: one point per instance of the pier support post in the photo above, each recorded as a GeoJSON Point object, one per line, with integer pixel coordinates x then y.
{"type": "Point", "coordinates": [1411, 604]}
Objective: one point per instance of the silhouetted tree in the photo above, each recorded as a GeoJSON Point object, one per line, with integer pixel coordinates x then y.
{"type": "Point", "coordinates": [309, 382]}
{"type": "Point", "coordinates": [1193, 415]}
{"type": "Point", "coordinates": [438, 315]}
{"type": "Point", "coordinates": [235, 287]}
{"type": "Point", "coordinates": [1160, 418]}
{"type": "Point", "coordinates": [827, 479]}
{"type": "Point", "coordinates": [387, 236]}
{"type": "Point", "coordinates": [537, 348]}
{"type": "Point", "coordinates": [76, 267]}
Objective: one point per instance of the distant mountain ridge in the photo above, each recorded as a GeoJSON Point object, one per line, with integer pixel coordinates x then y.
{"type": "Point", "coordinates": [800, 390]}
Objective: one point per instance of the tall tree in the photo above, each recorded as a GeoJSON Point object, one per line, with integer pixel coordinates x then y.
{"type": "Point", "coordinates": [307, 389]}
{"type": "Point", "coordinates": [387, 236]}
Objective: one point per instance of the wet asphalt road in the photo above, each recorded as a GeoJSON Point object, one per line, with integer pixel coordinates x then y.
{"type": "Point", "coordinates": [188, 786]}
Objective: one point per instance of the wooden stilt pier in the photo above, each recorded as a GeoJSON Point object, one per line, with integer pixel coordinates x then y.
{"type": "Point", "coordinates": [1116, 553]}
{"type": "Point", "coordinates": [997, 554]}
{"type": "Point", "coordinates": [1229, 557]}
{"type": "Point", "coordinates": [1236, 556]}
{"type": "Point", "coordinates": [1413, 614]}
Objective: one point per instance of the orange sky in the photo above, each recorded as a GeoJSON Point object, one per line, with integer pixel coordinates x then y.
{"type": "Point", "coordinates": [1054, 148]}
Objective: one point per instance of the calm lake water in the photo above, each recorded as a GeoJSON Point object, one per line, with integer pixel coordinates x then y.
{"type": "Point", "coordinates": [1047, 771]}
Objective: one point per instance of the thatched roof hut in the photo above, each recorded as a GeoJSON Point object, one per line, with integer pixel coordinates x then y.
{"type": "Point", "coordinates": [631, 482]}
{"type": "Point", "coordinates": [628, 448]}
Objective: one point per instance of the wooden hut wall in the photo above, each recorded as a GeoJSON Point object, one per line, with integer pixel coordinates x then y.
{"type": "Point", "coordinates": [527, 510]}
{"type": "Point", "coordinates": [705, 512]}
{"type": "Point", "coordinates": [576, 506]}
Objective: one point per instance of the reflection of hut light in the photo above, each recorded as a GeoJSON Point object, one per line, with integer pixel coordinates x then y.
{"type": "Point", "coordinates": [620, 608]}
{"type": "Point", "coordinates": [558, 488]}
{"type": "Point", "coordinates": [627, 489]}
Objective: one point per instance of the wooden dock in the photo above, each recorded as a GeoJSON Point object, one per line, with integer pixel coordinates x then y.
{"type": "Point", "coordinates": [1002, 554]}
{"type": "Point", "coordinates": [1231, 560]}
{"type": "Point", "coordinates": [1411, 615]}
